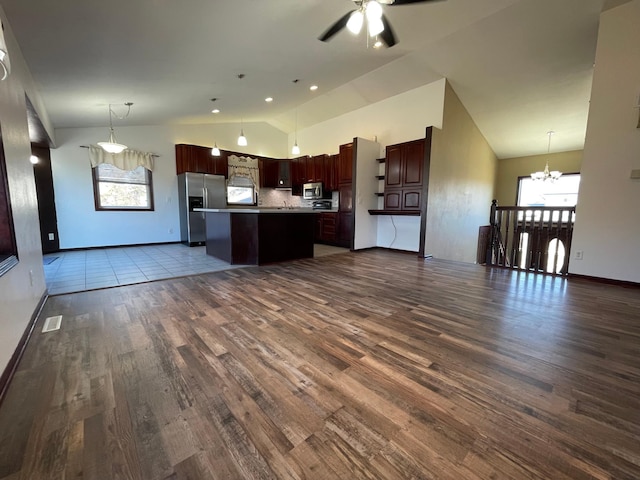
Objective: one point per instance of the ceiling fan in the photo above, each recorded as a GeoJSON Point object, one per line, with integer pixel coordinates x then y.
{"type": "Point", "coordinates": [377, 23]}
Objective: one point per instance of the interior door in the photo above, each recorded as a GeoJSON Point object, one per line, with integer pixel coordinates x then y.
{"type": "Point", "coordinates": [46, 200]}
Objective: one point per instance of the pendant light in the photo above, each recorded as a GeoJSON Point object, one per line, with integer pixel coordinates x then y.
{"type": "Point", "coordinates": [112, 146]}
{"type": "Point", "coordinates": [296, 149]}
{"type": "Point", "coordinates": [545, 175]}
{"type": "Point", "coordinates": [215, 151]}
{"type": "Point", "coordinates": [242, 140]}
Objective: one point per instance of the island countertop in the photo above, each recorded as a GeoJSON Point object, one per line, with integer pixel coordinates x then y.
{"type": "Point", "coordinates": [264, 210]}
{"type": "Point", "coordinates": [256, 236]}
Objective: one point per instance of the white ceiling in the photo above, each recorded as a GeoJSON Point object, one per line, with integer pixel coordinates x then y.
{"type": "Point", "coordinates": [521, 67]}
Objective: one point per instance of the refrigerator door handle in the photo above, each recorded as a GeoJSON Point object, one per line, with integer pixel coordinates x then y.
{"type": "Point", "coordinates": [206, 197]}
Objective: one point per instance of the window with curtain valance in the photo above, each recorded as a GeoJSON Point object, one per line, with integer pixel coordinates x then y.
{"type": "Point", "coordinates": [244, 167]}
{"type": "Point", "coordinates": [122, 181]}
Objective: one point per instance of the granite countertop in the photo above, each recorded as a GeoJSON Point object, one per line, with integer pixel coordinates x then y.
{"type": "Point", "coordinates": [261, 210]}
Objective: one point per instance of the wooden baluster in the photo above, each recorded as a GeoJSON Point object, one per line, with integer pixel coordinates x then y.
{"type": "Point", "coordinates": [492, 238]}
{"type": "Point", "coordinates": [529, 251]}
{"type": "Point", "coordinates": [548, 238]}
{"type": "Point", "coordinates": [515, 242]}
{"type": "Point", "coordinates": [506, 238]}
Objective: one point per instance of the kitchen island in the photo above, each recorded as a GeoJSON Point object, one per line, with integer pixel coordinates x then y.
{"type": "Point", "coordinates": [256, 236]}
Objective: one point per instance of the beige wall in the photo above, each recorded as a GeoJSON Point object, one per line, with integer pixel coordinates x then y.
{"type": "Point", "coordinates": [461, 184]}
{"type": "Point", "coordinates": [509, 169]}
{"type": "Point", "coordinates": [607, 228]}
{"type": "Point", "coordinates": [22, 287]}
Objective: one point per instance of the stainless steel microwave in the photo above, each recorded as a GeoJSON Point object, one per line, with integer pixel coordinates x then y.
{"type": "Point", "coordinates": [312, 191]}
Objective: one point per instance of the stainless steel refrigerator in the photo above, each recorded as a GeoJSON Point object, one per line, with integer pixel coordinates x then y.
{"type": "Point", "coordinates": [198, 190]}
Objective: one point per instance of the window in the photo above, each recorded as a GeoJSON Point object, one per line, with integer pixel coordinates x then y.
{"type": "Point", "coordinates": [8, 250]}
{"type": "Point", "coordinates": [561, 193]}
{"type": "Point", "coordinates": [116, 189]}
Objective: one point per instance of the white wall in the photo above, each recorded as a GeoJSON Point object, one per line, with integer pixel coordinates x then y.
{"type": "Point", "coordinates": [19, 294]}
{"type": "Point", "coordinates": [461, 184]}
{"type": "Point", "coordinates": [399, 232]}
{"type": "Point", "coordinates": [607, 227]}
{"type": "Point", "coordinates": [80, 225]}
{"type": "Point", "coordinates": [394, 120]}
{"type": "Point", "coordinates": [366, 226]}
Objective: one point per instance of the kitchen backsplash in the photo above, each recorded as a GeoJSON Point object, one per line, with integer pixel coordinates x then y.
{"type": "Point", "coordinates": [270, 197]}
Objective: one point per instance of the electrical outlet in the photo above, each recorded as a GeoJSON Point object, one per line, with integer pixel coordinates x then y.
{"type": "Point", "coordinates": [579, 254]}
{"type": "Point", "coordinates": [52, 236]}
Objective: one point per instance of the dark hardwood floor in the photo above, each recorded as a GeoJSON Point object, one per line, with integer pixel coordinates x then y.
{"type": "Point", "coordinates": [372, 365]}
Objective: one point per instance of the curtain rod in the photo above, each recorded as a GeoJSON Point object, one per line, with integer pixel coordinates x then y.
{"type": "Point", "coordinates": [153, 154]}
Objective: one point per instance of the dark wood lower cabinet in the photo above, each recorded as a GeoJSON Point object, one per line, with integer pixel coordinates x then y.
{"type": "Point", "coordinates": [259, 238]}
{"type": "Point", "coordinates": [345, 230]}
{"type": "Point", "coordinates": [326, 228]}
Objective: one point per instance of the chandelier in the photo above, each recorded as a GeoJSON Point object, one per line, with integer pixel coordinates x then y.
{"type": "Point", "coordinates": [546, 174]}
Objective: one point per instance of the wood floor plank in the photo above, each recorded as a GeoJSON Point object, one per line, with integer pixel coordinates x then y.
{"type": "Point", "coordinates": [365, 365]}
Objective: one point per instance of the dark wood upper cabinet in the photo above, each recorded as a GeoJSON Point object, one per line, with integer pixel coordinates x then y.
{"type": "Point", "coordinates": [315, 168]}
{"type": "Point", "coordinates": [284, 174]}
{"type": "Point", "coordinates": [275, 173]}
{"type": "Point", "coordinates": [404, 174]}
{"type": "Point", "coordinates": [404, 164]}
{"type": "Point", "coordinates": [298, 174]}
{"type": "Point", "coordinates": [393, 167]}
{"type": "Point", "coordinates": [413, 160]}
{"type": "Point", "coordinates": [268, 173]}
{"type": "Point", "coordinates": [345, 163]}
{"type": "Point", "coordinates": [194, 158]}
{"type": "Point", "coordinates": [329, 176]}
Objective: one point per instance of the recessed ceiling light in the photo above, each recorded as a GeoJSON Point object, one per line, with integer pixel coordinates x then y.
{"type": "Point", "coordinates": [215, 110]}
{"type": "Point", "coordinates": [313, 88]}
{"type": "Point", "coordinates": [268, 99]}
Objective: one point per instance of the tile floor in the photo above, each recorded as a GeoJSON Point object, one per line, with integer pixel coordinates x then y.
{"type": "Point", "coordinates": [81, 270]}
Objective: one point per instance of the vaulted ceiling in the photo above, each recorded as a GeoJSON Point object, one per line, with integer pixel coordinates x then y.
{"type": "Point", "coordinates": [521, 67]}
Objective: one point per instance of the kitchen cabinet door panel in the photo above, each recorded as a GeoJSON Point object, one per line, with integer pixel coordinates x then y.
{"type": "Point", "coordinates": [411, 199]}
{"type": "Point", "coordinates": [329, 173]}
{"type": "Point", "coordinates": [413, 162]}
{"type": "Point", "coordinates": [392, 199]}
{"type": "Point", "coordinates": [345, 164]}
{"type": "Point", "coordinates": [345, 192]}
{"type": "Point", "coordinates": [345, 230]}
{"type": "Point", "coordinates": [393, 167]}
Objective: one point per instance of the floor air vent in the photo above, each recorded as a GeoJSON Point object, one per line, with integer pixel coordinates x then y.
{"type": "Point", "coordinates": [52, 323]}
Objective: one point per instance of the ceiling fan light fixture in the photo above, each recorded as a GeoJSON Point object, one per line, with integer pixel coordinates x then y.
{"type": "Point", "coordinates": [355, 22]}
{"type": "Point", "coordinates": [373, 11]}
{"type": "Point", "coordinates": [375, 26]}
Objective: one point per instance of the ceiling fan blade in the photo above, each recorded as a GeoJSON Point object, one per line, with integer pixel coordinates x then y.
{"type": "Point", "coordinates": [407, 2]}
{"type": "Point", "coordinates": [336, 27]}
{"type": "Point", "coordinates": [387, 35]}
